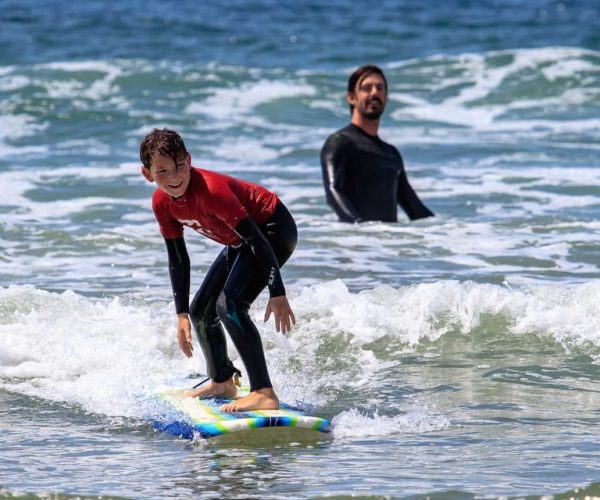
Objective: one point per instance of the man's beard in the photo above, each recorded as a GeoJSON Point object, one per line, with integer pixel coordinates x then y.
{"type": "Point", "coordinates": [372, 114]}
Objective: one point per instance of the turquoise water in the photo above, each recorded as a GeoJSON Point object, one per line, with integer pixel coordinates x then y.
{"type": "Point", "coordinates": [457, 356]}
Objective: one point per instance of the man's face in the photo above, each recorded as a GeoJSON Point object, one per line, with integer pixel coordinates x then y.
{"type": "Point", "coordinates": [369, 97]}
{"type": "Point", "coordinates": [173, 178]}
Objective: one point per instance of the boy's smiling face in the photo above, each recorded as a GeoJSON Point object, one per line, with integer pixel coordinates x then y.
{"type": "Point", "coordinates": [171, 177]}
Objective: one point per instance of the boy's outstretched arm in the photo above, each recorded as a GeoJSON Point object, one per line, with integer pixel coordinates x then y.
{"type": "Point", "coordinates": [179, 272]}
{"type": "Point", "coordinates": [278, 304]}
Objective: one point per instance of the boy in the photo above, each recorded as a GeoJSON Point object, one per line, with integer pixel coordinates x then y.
{"type": "Point", "coordinates": [259, 235]}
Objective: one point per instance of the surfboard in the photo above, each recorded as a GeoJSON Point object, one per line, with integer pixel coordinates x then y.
{"type": "Point", "coordinates": [195, 417]}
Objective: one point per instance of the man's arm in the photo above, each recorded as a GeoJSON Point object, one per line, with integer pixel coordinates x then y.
{"type": "Point", "coordinates": [334, 157]}
{"type": "Point", "coordinates": [409, 201]}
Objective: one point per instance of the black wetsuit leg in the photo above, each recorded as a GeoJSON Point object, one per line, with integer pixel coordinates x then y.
{"type": "Point", "coordinates": [244, 283]}
{"type": "Point", "coordinates": [206, 323]}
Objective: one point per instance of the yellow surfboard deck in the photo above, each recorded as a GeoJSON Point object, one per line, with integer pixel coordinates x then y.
{"type": "Point", "coordinates": [202, 417]}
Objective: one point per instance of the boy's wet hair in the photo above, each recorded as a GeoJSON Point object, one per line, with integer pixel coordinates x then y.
{"type": "Point", "coordinates": [360, 74]}
{"type": "Point", "coordinates": [164, 142]}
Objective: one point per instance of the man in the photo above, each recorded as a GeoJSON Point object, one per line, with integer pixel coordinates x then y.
{"type": "Point", "coordinates": [364, 176]}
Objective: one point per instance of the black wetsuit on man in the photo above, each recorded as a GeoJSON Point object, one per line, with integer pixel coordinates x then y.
{"type": "Point", "coordinates": [364, 178]}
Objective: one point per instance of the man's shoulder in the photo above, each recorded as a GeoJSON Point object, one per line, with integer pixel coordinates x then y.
{"type": "Point", "coordinates": [343, 136]}
{"type": "Point", "coordinates": [390, 148]}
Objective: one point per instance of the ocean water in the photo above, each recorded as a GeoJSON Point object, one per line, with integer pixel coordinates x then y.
{"type": "Point", "coordinates": [457, 356]}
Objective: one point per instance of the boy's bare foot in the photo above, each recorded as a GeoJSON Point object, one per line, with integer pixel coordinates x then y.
{"type": "Point", "coordinates": [263, 399]}
{"type": "Point", "coordinates": [212, 389]}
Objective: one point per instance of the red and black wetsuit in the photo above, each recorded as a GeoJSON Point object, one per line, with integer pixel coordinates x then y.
{"type": "Point", "coordinates": [259, 234]}
{"type": "Point", "coordinates": [364, 178]}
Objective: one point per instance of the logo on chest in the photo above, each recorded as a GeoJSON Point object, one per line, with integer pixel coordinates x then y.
{"type": "Point", "coordinates": [196, 226]}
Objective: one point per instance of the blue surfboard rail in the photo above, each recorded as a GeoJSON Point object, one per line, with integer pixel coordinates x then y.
{"type": "Point", "coordinates": [202, 417]}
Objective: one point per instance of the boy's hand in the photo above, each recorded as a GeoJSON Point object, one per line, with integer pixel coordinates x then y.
{"type": "Point", "coordinates": [282, 312]}
{"type": "Point", "coordinates": [184, 335]}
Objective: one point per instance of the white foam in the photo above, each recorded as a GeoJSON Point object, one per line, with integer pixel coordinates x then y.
{"type": "Point", "coordinates": [96, 354]}
{"type": "Point", "coordinates": [10, 83]}
{"type": "Point", "coordinates": [18, 126]}
{"type": "Point", "coordinates": [104, 354]}
{"type": "Point", "coordinates": [229, 103]}
{"type": "Point", "coordinates": [429, 311]}
{"type": "Point", "coordinates": [566, 68]}
{"type": "Point", "coordinates": [5, 70]}
{"type": "Point", "coordinates": [79, 66]}
{"type": "Point", "coordinates": [353, 423]}
{"type": "Point", "coordinates": [13, 186]}
{"type": "Point", "coordinates": [245, 150]}
{"type": "Point", "coordinates": [480, 80]}
{"type": "Point", "coordinates": [73, 88]}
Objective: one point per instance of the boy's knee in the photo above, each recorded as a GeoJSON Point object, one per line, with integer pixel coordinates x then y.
{"type": "Point", "coordinates": [230, 309]}
{"type": "Point", "coordinates": [222, 306]}
{"type": "Point", "coordinates": [200, 310]}
{"type": "Point", "coordinates": [195, 316]}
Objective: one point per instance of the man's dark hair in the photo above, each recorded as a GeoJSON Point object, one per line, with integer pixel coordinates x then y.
{"type": "Point", "coordinates": [360, 74]}
{"type": "Point", "coordinates": [164, 142]}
